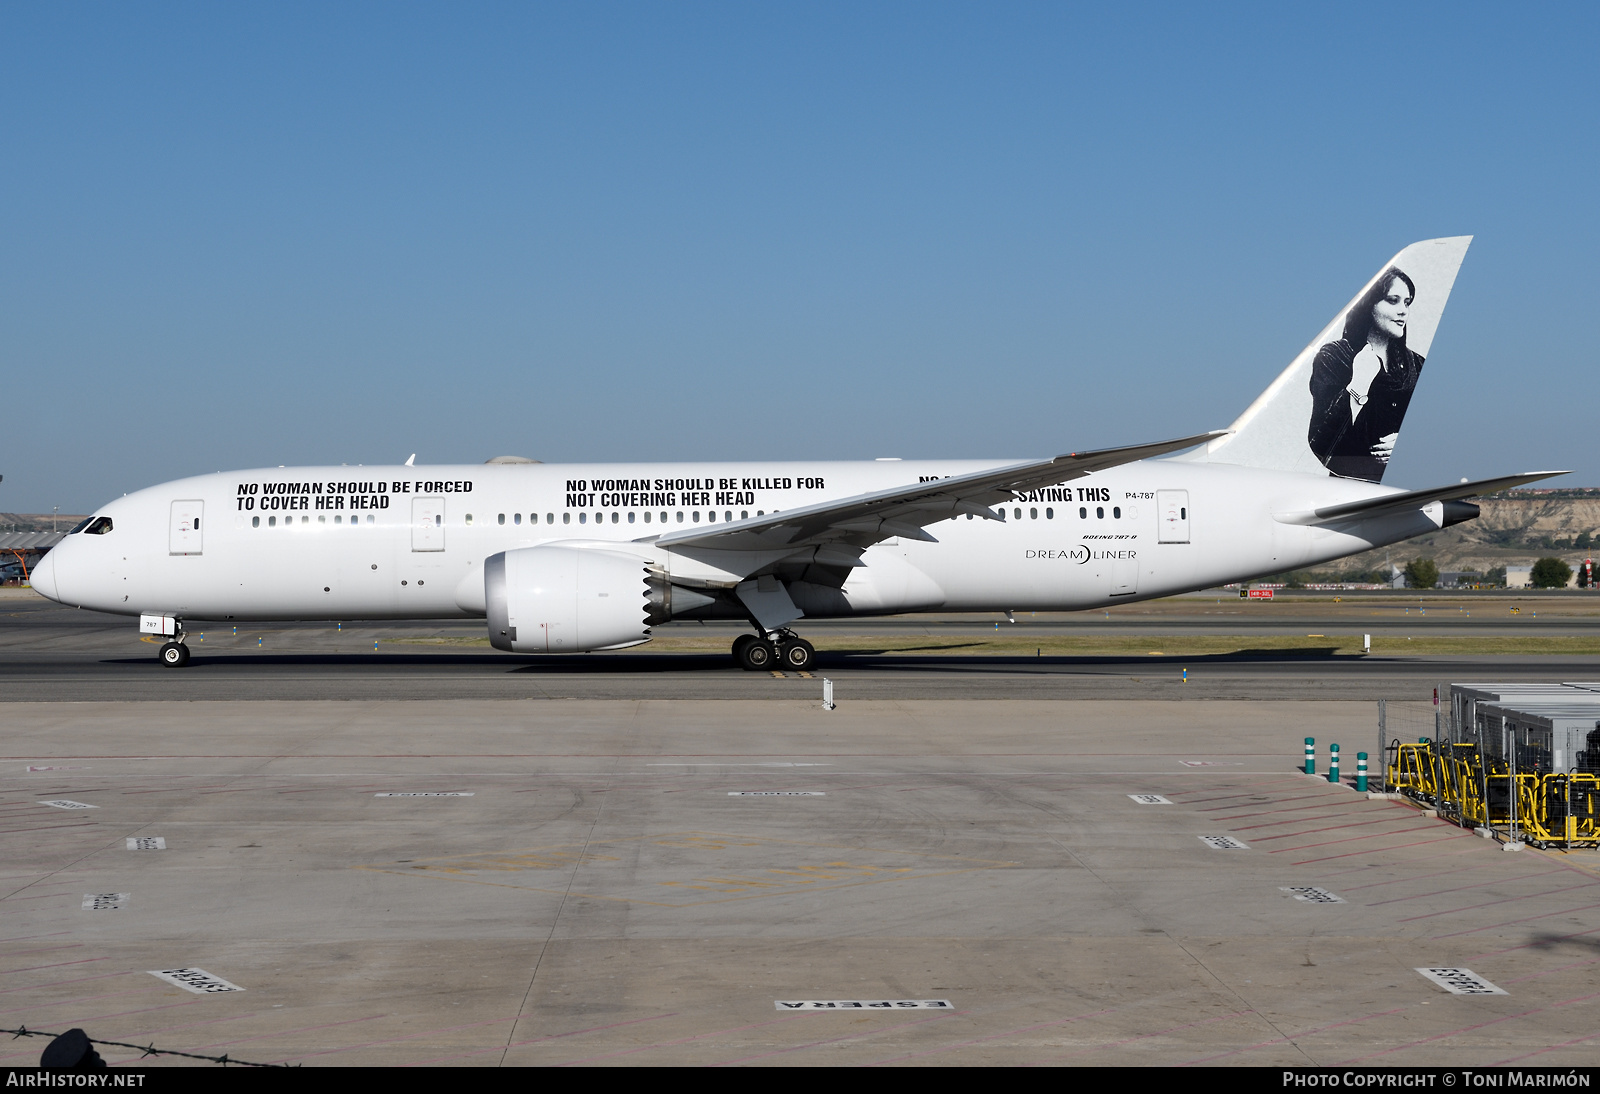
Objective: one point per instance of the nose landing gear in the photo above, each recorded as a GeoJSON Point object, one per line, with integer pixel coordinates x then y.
{"type": "Point", "coordinates": [174, 654]}
{"type": "Point", "coordinates": [784, 650]}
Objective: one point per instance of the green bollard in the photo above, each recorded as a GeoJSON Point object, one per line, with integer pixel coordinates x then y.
{"type": "Point", "coordinates": [1361, 772]}
{"type": "Point", "coordinates": [1333, 763]}
{"type": "Point", "coordinates": [1311, 755]}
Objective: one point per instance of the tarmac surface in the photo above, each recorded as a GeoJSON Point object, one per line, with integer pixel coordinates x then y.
{"type": "Point", "coordinates": [51, 653]}
{"type": "Point", "coordinates": [427, 856]}
{"type": "Point", "coordinates": [494, 882]}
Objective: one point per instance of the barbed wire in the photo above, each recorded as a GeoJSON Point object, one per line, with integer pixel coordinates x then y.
{"type": "Point", "coordinates": [147, 1050]}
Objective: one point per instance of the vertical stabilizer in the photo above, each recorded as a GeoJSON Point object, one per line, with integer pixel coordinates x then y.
{"type": "Point", "coordinates": [1337, 409]}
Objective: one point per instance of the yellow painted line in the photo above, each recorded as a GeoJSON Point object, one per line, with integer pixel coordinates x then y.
{"type": "Point", "coordinates": [805, 676]}
{"type": "Point", "coordinates": [1316, 636]}
{"type": "Point", "coordinates": [777, 675]}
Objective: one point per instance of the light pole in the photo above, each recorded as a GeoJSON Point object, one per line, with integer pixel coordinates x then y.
{"type": "Point", "coordinates": [54, 509]}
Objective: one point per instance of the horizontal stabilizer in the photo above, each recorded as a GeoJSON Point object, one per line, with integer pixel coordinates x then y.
{"type": "Point", "coordinates": [1385, 504]}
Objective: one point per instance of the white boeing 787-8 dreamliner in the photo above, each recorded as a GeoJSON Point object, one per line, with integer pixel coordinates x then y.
{"type": "Point", "coordinates": [588, 557]}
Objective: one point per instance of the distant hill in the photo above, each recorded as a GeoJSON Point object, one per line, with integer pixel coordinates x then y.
{"type": "Point", "coordinates": [1513, 528]}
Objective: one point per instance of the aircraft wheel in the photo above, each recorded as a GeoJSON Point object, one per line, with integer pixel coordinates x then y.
{"type": "Point", "coordinates": [798, 654]}
{"type": "Point", "coordinates": [739, 645]}
{"type": "Point", "coordinates": [174, 655]}
{"type": "Point", "coordinates": [757, 655]}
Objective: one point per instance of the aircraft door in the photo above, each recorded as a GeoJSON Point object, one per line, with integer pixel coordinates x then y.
{"type": "Point", "coordinates": [1172, 508]}
{"type": "Point", "coordinates": [184, 532]}
{"type": "Point", "coordinates": [427, 524]}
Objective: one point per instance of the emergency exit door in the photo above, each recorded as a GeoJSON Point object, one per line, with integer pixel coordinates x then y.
{"type": "Point", "coordinates": [184, 532]}
{"type": "Point", "coordinates": [427, 524]}
{"type": "Point", "coordinates": [1172, 509]}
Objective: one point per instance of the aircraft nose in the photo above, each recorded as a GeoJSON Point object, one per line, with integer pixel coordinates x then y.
{"type": "Point", "coordinates": [43, 576]}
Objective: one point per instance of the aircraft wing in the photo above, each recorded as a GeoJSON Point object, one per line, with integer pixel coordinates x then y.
{"type": "Point", "coordinates": [843, 528]}
{"type": "Point", "coordinates": [1387, 504]}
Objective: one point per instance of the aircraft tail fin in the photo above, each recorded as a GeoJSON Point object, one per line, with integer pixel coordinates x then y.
{"type": "Point", "coordinates": [1337, 409]}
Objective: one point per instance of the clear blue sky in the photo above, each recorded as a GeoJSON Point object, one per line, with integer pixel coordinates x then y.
{"type": "Point", "coordinates": [235, 235]}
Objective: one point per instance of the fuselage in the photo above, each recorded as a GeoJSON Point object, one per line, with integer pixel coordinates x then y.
{"type": "Point", "coordinates": [405, 542]}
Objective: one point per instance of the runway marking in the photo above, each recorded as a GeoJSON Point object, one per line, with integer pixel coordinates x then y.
{"type": "Point", "coordinates": [777, 794]}
{"type": "Point", "coordinates": [812, 1005]}
{"type": "Point", "coordinates": [426, 794]}
{"type": "Point", "coordinates": [104, 902]}
{"type": "Point", "coordinates": [63, 803]}
{"type": "Point", "coordinates": [1223, 843]}
{"type": "Point", "coordinates": [147, 843]}
{"type": "Point", "coordinates": [196, 980]}
{"type": "Point", "coordinates": [697, 871]}
{"type": "Point", "coordinates": [1150, 799]}
{"type": "Point", "coordinates": [1311, 894]}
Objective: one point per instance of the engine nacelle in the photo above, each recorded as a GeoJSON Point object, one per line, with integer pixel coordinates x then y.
{"type": "Point", "coordinates": [565, 600]}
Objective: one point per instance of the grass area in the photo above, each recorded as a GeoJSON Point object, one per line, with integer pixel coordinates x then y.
{"type": "Point", "coordinates": [1118, 646]}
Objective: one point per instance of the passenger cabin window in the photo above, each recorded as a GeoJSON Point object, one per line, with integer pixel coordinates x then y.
{"type": "Point", "coordinates": [680, 517]}
{"type": "Point", "coordinates": [630, 518]}
{"type": "Point", "coordinates": [1083, 512]}
{"type": "Point", "coordinates": [566, 518]}
{"type": "Point", "coordinates": [583, 518]}
{"type": "Point", "coordinates": [1033, 514]}
{"type": "Point", "coordinates": [616, 518]}
{"type": "Point", "coordinates": [255, 522]}
{"type": "Point", "coordinates": [502, 518]}
{"type": "Point", "coordinates": [1117, 513]}
{"type": "Point", "coordinates": [1099, 512]}
{"type": "Point", "coordinates": [516, 518]}
{"type": "Point", "coordinates": [469, 519]}
{"type": "Point", "coordinates": [1049, 514]}
{"type": "Point", "coordinates": [272, 522]}
{"type": "Point", "coordinates": [99, 526]}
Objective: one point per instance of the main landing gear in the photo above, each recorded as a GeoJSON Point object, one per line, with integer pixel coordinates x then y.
{"type": "Point", "coordinates": [783, 650]}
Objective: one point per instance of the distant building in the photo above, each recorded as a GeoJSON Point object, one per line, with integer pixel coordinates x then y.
{"type": "Point", "coordinates": [1519, 577]}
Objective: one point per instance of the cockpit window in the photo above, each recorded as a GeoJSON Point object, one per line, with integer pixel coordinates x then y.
{"type": "Point", "coordinates": [80, 526]}
{"type": "Point", "coordinates": [99, 526]}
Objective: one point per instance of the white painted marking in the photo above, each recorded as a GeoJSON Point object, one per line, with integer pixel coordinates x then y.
{"type": "Point", "coordinates": [1223, 843]}
{"type": "Point", "coordinates": [862, 1004]}
{"type": "Point", "coordinates": [63, 803]}
{"type": "Point", "coordinates": [1311, 894]}
{"type": "Point", "coordinates": [426, 794]}
{"type": "Point", "coordinates": [31, 767]}
{"type": "Point", "coordinates": [104, 902]}
{"type": "Point", "coordinates": [1150, 799]}
{"type": "Point", "coordinates": [147, 843]}
{"type": "Point", "coordinates": [1211, 763]}
{"type": "Point", "coordinates": [777, 794]}
{"type": "Point", "coordinates": [196, 980]}
{"type": "Point", "coordinates": [1462, 982]}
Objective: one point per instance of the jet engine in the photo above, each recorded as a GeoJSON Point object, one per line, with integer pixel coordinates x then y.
{"type": "Point", "coordinates": [565, 600]}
